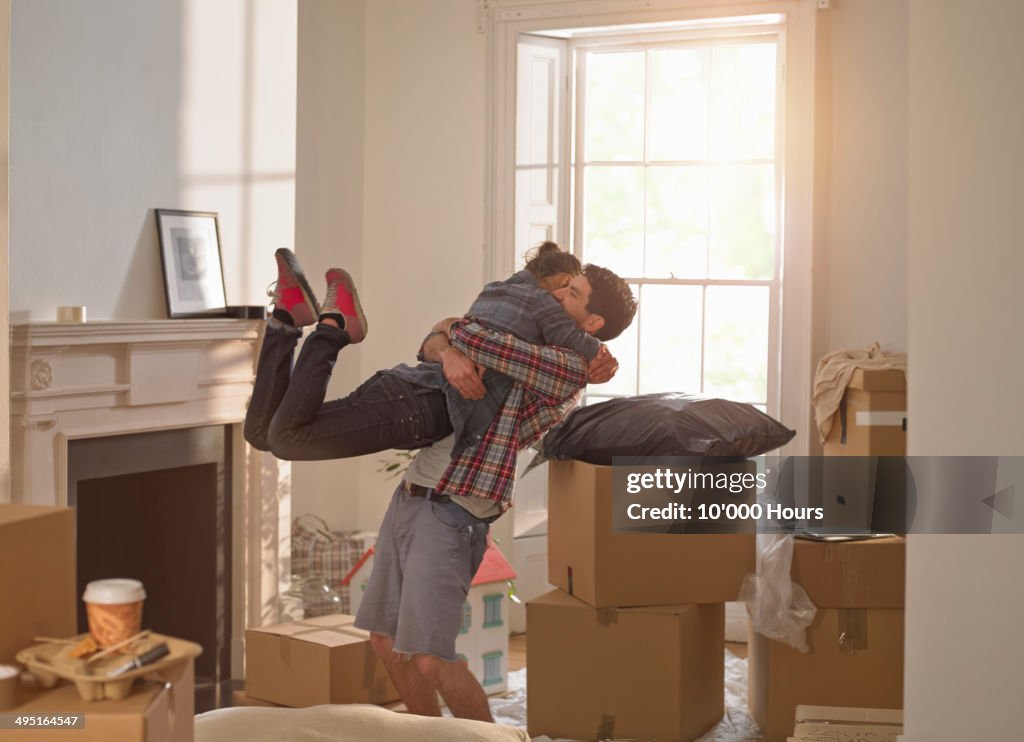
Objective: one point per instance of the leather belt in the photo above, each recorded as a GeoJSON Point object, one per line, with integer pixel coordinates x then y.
{"type": "Point", "coordinates": [418, 490]}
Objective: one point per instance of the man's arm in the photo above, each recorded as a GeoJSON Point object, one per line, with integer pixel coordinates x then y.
{"type": "Point", "coordinates": [466, 375]}
{"type": "Point", "coordinates": [462, 373]}
{"type": "Point", "coordinates": [552, 374]}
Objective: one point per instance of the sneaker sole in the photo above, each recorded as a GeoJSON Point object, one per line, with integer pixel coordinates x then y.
{"type": "Point", "coordinates": [304, 315]}
{"type": "Point", "coordinates": [350, 286]}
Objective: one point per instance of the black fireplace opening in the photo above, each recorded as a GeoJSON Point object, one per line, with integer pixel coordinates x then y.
{"type": "Point", "coordinates": [156, 507]}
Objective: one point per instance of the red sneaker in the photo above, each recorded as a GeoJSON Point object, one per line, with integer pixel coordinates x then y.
{"type": "Point", "coordinates": [292, 292]}
{"type": "Point", "coordinates": [343, 300]}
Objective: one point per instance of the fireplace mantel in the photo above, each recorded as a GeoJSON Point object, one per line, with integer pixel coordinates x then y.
{"type": "Point", "coordinates": [96, 379]}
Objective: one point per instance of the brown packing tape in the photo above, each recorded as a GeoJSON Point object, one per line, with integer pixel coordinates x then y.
{"type": "Point", "coordinates": [284, 650]}
{"type": "Point", "coordinates": [853, 630]}
{"type": "Point", "coordinates": [851, 575]}
{"type": "Point", "coordinates": [607, 616]}
{"type": "Point", "coordinates": [172, 693]}
{"type": "Point", "coordinates": [347, 630]}
{"type": "Point", "coordinates": [606, 729]}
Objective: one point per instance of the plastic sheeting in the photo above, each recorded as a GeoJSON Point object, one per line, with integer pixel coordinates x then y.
{"type": "Point", "coordinates": [778, 608]}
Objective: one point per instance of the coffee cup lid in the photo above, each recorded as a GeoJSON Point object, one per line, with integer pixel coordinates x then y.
{"type": "Point", "coordinates": [114, 592]}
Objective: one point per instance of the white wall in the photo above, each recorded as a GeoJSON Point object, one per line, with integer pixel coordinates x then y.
{"type": "Point", "coordinates": [425, 139]}
{"type": "Point", "coordinates": [965, 601]}
{"type": "Point", "coordinates": [422, 99]}
{"type": "Point", "coordinates": [122, 106]}
{"type": "Point", "coordinates": [418, 250]}
{"type": "Point", "coordinates": [866, 205]}
{"type": "Point", "coordinates": [329, 205]}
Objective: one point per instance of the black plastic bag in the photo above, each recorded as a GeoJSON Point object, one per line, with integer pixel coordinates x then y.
{"type": "Point", "coordinates": [666, 424]}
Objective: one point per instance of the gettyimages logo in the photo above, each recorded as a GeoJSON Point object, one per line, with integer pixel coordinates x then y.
{"type": "Point", "coordinates": [840, 495]}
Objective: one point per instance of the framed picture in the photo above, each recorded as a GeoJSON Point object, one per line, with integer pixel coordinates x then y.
{"type": "Point", "coordinates": [190, 255]}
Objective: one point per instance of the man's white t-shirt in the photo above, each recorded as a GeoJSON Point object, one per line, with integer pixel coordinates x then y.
{"type": "Point", "coordinates": [429, 465]}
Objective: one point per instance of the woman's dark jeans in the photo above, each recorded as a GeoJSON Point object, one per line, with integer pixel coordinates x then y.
{"type": "Point", "coordinates": [288, 416]}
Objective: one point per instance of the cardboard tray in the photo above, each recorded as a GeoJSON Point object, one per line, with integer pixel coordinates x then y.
{"type": "Point", "coordinates": [49, 662]}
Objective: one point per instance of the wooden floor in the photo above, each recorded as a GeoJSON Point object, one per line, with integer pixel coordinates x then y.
{"type": "Point", "coordinates": [517, 651]}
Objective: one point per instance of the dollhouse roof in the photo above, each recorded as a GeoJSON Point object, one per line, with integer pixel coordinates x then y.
{"type": "Point", "coordinates": [494, 567]}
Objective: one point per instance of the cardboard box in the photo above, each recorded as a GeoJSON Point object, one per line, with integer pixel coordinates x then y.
{"type": "Point", "coordinates": [154, 712]}
{"type": "Point", "coordinates": [605, 569]}
{"type": "Point", "coordinates": [37, 580]}
{"type": "Point", "coordinates": [872, 416]}
{"type": "Point", "coordinates": [856, 638]}
{"type": "Point", "coordinates": [865, 573]}
{"type": "Point", "coordinates": [312, 662]}
{"type": "Point", "coordinates": [841, 724]}
{"type": "Point", "coordinates": [239, 698]}
{"type": "Point", "coordinates": [653, 673]}
{"type": "Point", "coordinates": [864, 668]}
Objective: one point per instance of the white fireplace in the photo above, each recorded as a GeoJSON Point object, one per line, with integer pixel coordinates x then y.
{"type": "Point", "coordinates": [101, 379]}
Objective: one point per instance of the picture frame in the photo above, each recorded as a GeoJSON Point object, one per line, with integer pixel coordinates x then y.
{"type": "Point", "coordinates": [191, 260]}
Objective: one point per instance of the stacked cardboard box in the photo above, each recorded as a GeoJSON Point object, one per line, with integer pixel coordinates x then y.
{"type": "Point", "coordinates": [631, 645]}
{"type": "Point", "coordinates": [872, 417]}
{"type": "Point", "coordinates": [856, 638]}
{"type": "Point", "coordinates": [37, 585]}
{"type": "Point", "coordinates": [37, 578]}
{"type": "Point", "coordinates": [154, 712]}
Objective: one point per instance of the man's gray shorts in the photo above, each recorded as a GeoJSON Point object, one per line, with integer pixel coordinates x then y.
{"type": "Point", "coordinates": [425, 558]}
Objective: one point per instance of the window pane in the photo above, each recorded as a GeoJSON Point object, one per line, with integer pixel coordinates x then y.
{"type": "Point", "coordinates": [742, 221]}
{"type": "Point", "coordinates": [613, 215]}
{"type": "Point", "coordinates": [677, 222]}
{"type": "Point", "coordinates": [736, 344]}
{"type": "Point", "coordinates": [679, 105]}
{"type": "Point", "coordinates": [615, 106]}
{"type": "Point", "coordinates": [624, 349]}
{"type": "Point", "coordinates": [743, 102]}
{"type": "Point", "coordinates": [492, 668]}
{"type": "Point", "coordinates": [670, 339]}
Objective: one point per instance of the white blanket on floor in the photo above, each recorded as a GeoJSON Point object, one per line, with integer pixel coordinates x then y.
{"type": "Point", "coordinates": [344, 723]}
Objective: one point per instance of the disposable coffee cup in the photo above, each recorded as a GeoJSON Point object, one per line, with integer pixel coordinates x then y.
{"type": "Point", "coordinates": [9, 676]}
{"type": "Point", "coordinates": [114, 610]}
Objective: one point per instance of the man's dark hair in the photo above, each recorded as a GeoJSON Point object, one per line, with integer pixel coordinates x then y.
{"type": "Point", "coordinates": [549, 259]}
{"type": "Point", "coordinates": [611, 298]}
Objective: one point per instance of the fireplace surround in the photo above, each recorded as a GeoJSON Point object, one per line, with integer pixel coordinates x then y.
{"type": "Point", "coordinates": [99, 380]}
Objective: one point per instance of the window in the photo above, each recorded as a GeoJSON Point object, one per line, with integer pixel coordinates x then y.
{"type": "Point", "coordinates": [467, 615]}
{"type": "Point", "coordinates": [492, 668]}
{"type": "Point", "coordinates": [537, 189]}
{"type": "Point", "coordinates": [492, 611]}
{"type": "Point", "coordinates": [674, 185]}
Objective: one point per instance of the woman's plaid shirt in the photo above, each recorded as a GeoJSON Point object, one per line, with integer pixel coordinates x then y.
{"type": "Point", "coordinates": [548, 385]}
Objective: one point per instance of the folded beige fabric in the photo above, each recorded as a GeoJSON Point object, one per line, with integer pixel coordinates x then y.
{"type": "Point", "coordinates": [343, 723]}
{"type": "Point", "coordinates": [833, 374]}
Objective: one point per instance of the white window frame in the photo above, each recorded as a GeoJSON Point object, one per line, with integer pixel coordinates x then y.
{"type": "Point", "coordinates": [632, 42]}
{"type": "Point", "coordinates": [505, 20]}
